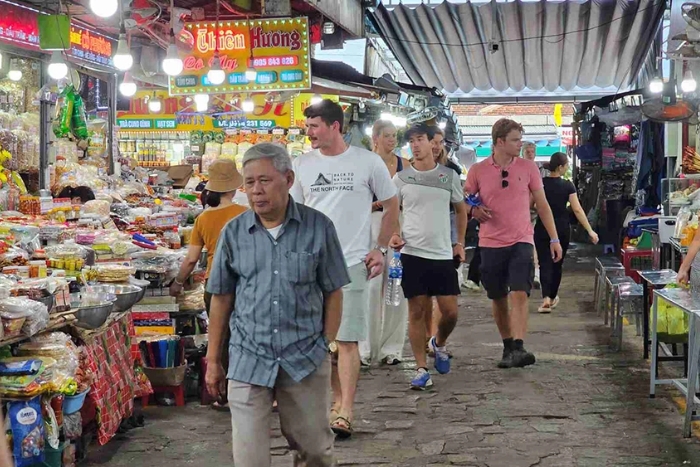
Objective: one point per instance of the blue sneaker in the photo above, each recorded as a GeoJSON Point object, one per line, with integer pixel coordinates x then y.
{"type": "Point", "coordinates": [422, 380]}
{"type": "Point", "coordinates": [442, 358]}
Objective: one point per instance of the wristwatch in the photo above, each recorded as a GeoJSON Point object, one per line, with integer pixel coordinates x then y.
{"type": "Point", "coordinates": [383, 250]}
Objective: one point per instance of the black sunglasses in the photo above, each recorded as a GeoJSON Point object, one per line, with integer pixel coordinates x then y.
{"type": "Point", "coordinates": [504, 182]}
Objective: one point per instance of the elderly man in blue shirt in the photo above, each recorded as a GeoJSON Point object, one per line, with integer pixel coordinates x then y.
{"type": "Point", "coordinates": [280, 268]}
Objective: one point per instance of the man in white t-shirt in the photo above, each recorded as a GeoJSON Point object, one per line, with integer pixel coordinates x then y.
{"type": "Point", "coordinates": [341, 181]}
{"type": "Point", "coordinates": [426, 190]}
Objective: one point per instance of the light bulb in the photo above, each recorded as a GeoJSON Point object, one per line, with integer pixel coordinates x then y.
{"type": "Point", "coordinates": [442, 125]}
{"type": "Point", "coordinates": [202, 102]}
{"type": "Point", "coordinates": [248, 105]}
{"type": "Point", "coordinates": [328, 27]}
{"type": "Point", "coordinates": [57, 66]}
{"type": "Point", "coordinates": [656, 85]}
{"type": "Point", "coordinates": [155, 105]}
{"type": "Point", "coordinates": [386, 116]}
{"type": "Point", "coordinates": [14, 75]}
{"type": "Point", "coordinates": [172, 65]}
{"type": "Point", "coordinates": [127, 87]}
{"type": "Point", "coordinates": [399, 121]}
{"type": "Point", "coordinates": [104, 8]}
{"type": "Point", "coordinates": [368, 131]}
{"type": "Point", "coordinates": [251, 74]}
{"type": "Point", "coordinates": [216, 75]}
{"type": "Point", "coordinates": [316, 99]}
{"type": "Point", "coordinates": [123, 60]}
{"type": "Point", "coordinates": [688, 84]}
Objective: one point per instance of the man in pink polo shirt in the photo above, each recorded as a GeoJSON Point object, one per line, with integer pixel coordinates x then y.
{"type": "Point", "coordinates": [504, 182]}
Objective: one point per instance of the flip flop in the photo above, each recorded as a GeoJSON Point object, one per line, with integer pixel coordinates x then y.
{"type": "Point", "coordinates": [391, 360]}
{"type": "Point", "coordinates": [545, 309]}
{"type": "Point", "coordinates": [342, 427]}
{"type": "Point", "coordinates": [220, 407]}
{"type": "Point", "coordinates": [555, 302]}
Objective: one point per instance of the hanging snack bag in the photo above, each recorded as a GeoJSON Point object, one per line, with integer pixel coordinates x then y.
{"type": "Point", "coordinates": [27, 432]}
{"type": "Point", "coordinates": [79, 117]}
{"type": "Point", "coordinates": [64, 112]}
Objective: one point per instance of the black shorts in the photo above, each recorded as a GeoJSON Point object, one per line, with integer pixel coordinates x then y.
{"type": "Point", "coordinates": [431, 277]}
{"type": "Point", "coordinates": [507, 269]}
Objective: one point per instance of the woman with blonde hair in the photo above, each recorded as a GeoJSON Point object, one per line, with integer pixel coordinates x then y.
{"type": "Point", "coordinates": [386, 324]}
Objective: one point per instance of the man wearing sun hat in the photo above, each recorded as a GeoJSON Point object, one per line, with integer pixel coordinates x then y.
{"type": "Point", "coordinates": [224, 181]}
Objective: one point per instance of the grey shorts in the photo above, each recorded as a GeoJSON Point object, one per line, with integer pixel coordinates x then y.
{"type": "Point", "coordinates": [353, 324]}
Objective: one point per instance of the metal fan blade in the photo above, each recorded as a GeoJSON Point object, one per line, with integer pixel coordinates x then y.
{"type": "Point", "coordinates": [691, 14]}
{"type": "Point", "coordinates": [680, 37]}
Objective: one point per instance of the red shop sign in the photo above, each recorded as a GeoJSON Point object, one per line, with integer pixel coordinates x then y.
{"type": "Point", "coordinates": [19, 26]}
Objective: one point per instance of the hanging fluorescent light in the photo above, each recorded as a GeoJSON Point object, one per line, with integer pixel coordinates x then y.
{"type": "Point", "coordinates": [154, 104]}
{"type": "Point", "coordinates": [104, 8]}
{"type": "Point", "coordinates": [123, 60]}
{"type": "Point", "coordinates": [328, 27]}
{"type": "Point", "coordinates": [399, 122]}
{"type": "Point", "coordinates": [172, 65]}
{"type": "Point", "coordinates": [656, 85]}
{"type": "Point", "coordinates": [316, 99]}
{"type": "Point", "coordinates": [688, 84]}
{"type": "Point", "coordinates": [216, 75]}
{"type": "Point", "coordinates": [386, 116]}
{"type": "Point", "coordinates": [202, 102]}
{"type": "Point", "coordinates": [368, 131]}
{"type": "Point", "coordinates": [442, 125]}
{"type": "Point", "coordinates": [248, 105]}
{"type": "Point", "coordinates": [57, 66]}
{"type": "Point", "coordinates": [127, 87]}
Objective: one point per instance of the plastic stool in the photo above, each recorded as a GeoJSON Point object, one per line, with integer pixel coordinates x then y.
{"type": "Point", "coordinates": [178, 391]}
{"type": "Point", "coordinates": [608, 248]}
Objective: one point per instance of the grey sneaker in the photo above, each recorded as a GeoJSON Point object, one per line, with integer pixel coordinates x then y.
{"type": "Point", "coordinates": [507, 359]}
{"type": "Point", "coordinates": [522, 358]}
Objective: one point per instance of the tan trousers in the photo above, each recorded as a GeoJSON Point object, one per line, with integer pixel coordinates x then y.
{"type": "Point", "coordinates": [303, 411]}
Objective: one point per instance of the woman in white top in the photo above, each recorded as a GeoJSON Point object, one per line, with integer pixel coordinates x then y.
{"type": "Point", "coordinates": [386, 324]}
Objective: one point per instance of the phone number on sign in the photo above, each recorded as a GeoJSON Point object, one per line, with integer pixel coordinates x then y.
{"type": "Point", "coordinates": [262, 62]}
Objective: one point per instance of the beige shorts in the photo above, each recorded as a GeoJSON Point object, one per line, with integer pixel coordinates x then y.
{"type": "Point", "coordinates": [353, 324]}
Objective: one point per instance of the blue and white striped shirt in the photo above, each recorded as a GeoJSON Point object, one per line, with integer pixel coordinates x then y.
{"type": "Point", "coordinates": [278, 285]}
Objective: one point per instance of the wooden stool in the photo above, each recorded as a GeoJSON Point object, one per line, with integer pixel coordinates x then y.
{"type": "Point", "coordinates": [178, 391]}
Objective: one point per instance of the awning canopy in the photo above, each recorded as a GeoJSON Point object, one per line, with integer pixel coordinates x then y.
{"type": "Point", "coordinates": [546, 49]}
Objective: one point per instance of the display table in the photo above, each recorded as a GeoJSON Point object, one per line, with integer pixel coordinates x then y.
{"type": "Point", "coordinates": [655, 280]}
{"type": "Point", "coordinates": [682, 299]}
{"type": "Point", "coordinates": [109, 356]}
{"type": "Point", "coordinates": [676, 247]}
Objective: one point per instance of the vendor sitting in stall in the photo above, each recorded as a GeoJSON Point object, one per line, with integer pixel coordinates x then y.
{"type": "Point", "coordinates": [79, 195]}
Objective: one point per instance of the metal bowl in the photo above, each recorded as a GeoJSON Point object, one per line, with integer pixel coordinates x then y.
{"type": "Point", "coordinates": [126, 295]}
{"type": "Point", "coordinates": [92, 317]}
{"type": "Point", "coordinates": [49, 301]}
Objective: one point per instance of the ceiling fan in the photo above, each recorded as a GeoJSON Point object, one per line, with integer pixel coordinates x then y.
{"type": "Point", "coordinates": [689, 49]}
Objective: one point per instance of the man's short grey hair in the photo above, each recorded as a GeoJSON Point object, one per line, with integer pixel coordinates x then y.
{"type": "Point", "coordinates": [529, 144]}
{"type": "Point", "coordinates": [277, 153]}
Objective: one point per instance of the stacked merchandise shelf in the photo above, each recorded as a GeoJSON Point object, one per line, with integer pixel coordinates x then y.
{"type": "Point", "coordinates": [155, 149]}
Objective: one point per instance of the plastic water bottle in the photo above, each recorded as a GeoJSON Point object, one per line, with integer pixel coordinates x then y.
{"type": "Point", "coordinates": [393, 284]}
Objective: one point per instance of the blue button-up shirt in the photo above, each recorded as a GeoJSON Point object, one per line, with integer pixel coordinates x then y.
{"type": "Point", "coordinates": [278, 319]}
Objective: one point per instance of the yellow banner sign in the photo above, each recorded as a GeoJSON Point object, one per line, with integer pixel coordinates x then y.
{"type": "Point", "coordinates": [301, 102]}
{"type": "Point", "coordinates": [178, 113]}
{"type": "Point", "coordinates": [277, 49]}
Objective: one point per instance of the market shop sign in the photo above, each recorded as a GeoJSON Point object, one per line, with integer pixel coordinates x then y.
{"type": "Point", "coordinates": [178, 113]}
{"type": "Point", "coordinates": [19, 26]}
{"type": "Point", "coordinates": [301, 102]}
{"type": "Point", "coordinates": [278, 49]}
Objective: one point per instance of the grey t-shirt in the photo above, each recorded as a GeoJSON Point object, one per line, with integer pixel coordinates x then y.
{"type": "Point", "coordinates": [426, 198]}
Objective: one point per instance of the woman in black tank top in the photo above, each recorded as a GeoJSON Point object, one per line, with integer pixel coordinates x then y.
{"type": "Point", "coordinates": [559, 193]}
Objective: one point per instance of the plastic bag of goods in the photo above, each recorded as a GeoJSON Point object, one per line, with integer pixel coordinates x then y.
{"type": "Point", "coordinates": [64, 112]}
{"type": "Point", "coordinates": [96, 206]}
{"type": "Point", "coordinates": [27, 426]}
{"type": "Point", "coordinates": [113, 273]}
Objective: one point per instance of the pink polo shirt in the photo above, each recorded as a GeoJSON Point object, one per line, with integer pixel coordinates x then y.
{"type": "Point", "coordinates": [510, 222]}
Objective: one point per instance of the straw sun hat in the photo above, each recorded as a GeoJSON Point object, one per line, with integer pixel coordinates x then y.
{"type": "Point", "coordinates": [224, 176]}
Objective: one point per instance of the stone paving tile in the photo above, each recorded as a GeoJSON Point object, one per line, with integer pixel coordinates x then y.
{"type": "Point", "coordinates": [580, 405]}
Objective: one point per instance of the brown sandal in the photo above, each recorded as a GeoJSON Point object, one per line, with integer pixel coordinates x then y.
{"type": "Point", "coordinates": [342, 427]}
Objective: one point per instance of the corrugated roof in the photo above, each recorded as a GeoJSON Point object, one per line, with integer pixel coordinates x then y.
{"type": "Point", "coordinates": [532, 132]}
{"type": "Point", "coordinates": [545, 48]}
